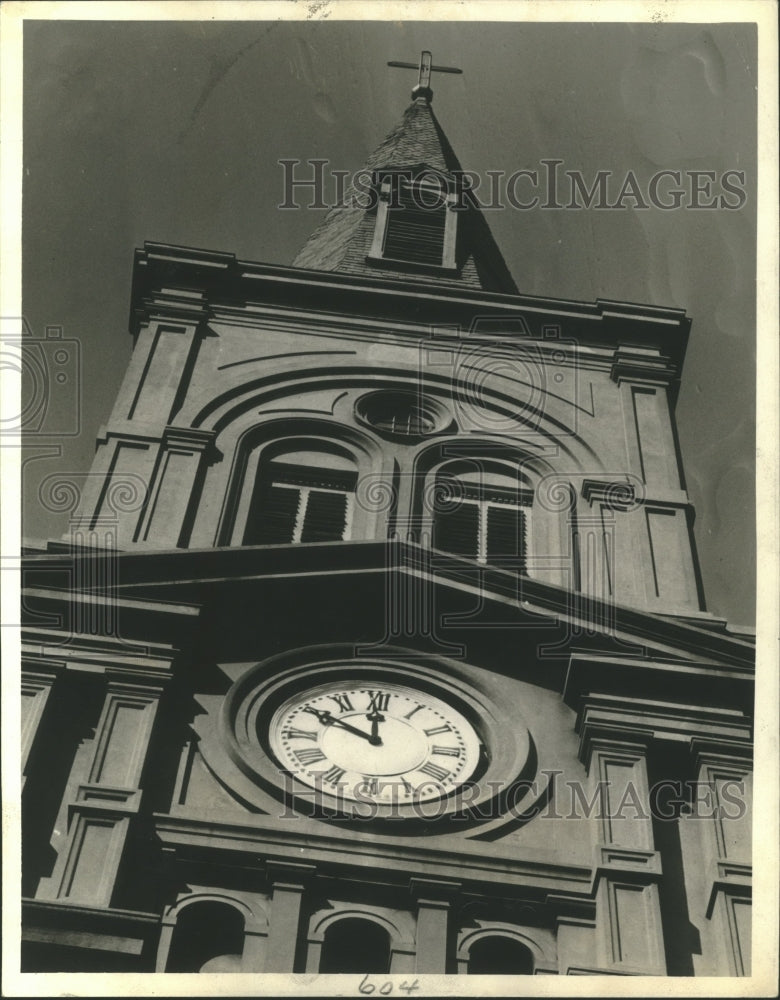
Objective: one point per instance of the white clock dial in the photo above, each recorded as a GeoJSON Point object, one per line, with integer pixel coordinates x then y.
{"type": "Point", "coordinates": [379, 742]}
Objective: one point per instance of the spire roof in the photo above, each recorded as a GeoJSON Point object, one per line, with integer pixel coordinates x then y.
{"type": "Point", "coordinates": [344, 238]}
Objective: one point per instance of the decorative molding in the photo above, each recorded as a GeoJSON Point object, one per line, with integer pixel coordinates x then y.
{"type": "Point", "coordinates": [606, 718]}
{"type": "Point", "coordinates": [723, 748]}
{"type": "Point", "coordinates": [105, 798]}
{"type": "Point", "coordinates": [433, 891]}
{"type": "Point", "coordinates": [289, 874]}
{"type": "Point", "coordinates": [170, 306]}
{"type": "Point", "coordinates": [571, 910]}
{"type": "Point", "coordinates": [641, 366]}
{"type": "Point", "coordinates": [188, 439]}
{"type": "Point", "coordinates": [630, 741]}
{"type": "Point", "coordinates": [623, 862]}
{"type": "Point", "coordinates": [595, 970]}
{"type": "Point", "coordinates": [613, 494]}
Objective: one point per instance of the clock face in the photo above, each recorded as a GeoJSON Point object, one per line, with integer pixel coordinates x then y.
{"type": "Point", "coordinates": [379, 742]}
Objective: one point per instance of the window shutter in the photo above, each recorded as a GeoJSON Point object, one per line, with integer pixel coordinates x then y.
{"type": "Point", "coordinates": [505, 535]}
{"type": "Point", "coordinates": [274, 520]}
{"type": "Point", "coordinates": [457, 530]}
{"type": "Point", "coordinates": [326, 517]}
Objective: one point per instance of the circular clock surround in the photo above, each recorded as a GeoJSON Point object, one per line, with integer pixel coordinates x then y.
{"type": "Point", "coordinates": [494, 749]}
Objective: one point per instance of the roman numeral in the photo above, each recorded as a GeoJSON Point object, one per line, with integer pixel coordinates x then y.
{"type": "Point", "coordinates": [434, 771]}
{"type": "Point", "coordinates": [378, 701]}
{"type": "Point", "coordinates": [342, 700]}
{"type": "Point", "coordinates": [446, 751]}
{"type": "Point", "coordinates": [309, 756]}
{"type": "Point", "coordinates": [415, 709]}
{"type": "Point", "coordinates": [334, 775]}
{"type": "Point", "coordinates": [301, 734]}
{"type": "Point", "coordinates": [371, 784]}
{"type": "Point", "coordinates": [438, 729]}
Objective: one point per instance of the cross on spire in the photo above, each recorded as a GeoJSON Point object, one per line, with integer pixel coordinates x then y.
{"type": "Point", "coordinates": [426, 67]}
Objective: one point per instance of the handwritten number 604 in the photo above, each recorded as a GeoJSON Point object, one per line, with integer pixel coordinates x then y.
{"type": "Point", "coordinates": [367, 987]}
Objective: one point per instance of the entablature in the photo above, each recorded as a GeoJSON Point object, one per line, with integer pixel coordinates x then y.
{"type": "Point", "coordinates": [162, 271]}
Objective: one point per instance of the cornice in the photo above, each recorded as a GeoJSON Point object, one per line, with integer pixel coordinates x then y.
{"type": "Point", "coordinates": [136, 665]}
{"type": "Point", "coordinates": [162, 272]}
{"type": "Point", "coordinates": [660, 680]}
{"type": "Point", "coordinates": [149, 573]}
{"type": "Point", "coordinates": [440, 864]}
{"type": "Point", "coordinates": [65, 911]}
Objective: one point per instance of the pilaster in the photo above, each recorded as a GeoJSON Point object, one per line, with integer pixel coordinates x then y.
{"type": "Point", "coordinates": [723, 808]}
{"type": "Point", "coordinates": [102, 806]}
{"type": "Point", "coordinates": [627, 868]}
{"type": "Point", "coordinates": [434, 899]}
{"type": "Point", "coordinates": [288, 882]}
{"type": "Point", "coordinates": [174, 489]}
{"type": "Point", "coordinates": [36, 688]}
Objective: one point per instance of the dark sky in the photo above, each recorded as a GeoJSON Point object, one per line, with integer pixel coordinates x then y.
{"type": "Point", "coordinates": [172, 132]}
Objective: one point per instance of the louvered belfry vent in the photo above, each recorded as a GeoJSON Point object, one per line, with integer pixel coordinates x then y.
{"type": "Point", "coordinates": [415, 232]}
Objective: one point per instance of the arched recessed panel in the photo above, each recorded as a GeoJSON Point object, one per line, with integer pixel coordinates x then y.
{"type": "Point", "coordinates": [355, 945]}
{"type": "Point", "coordinates": [497, 954]}
{"type": "Point", "coordinates": [208, 937]}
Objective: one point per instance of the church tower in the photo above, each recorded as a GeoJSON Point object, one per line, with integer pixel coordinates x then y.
{"type": "Point", "coordinates": [377, 643]}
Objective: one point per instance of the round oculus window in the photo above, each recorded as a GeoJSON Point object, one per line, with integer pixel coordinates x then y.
{"type": "Point", "coordinates": [403, 414]}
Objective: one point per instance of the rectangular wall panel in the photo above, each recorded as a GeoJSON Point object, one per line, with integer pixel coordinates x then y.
{"type": "Point", "coordinates": [672, 563]}
{"type": "Point", "coordinates": [742, 929]}
{"type": "Point", "coordinates": [631, 928]}
{"type": "Point", "coordinates": [657, 452]}
{"type": "Point", "coordinates": [123, 741]}
{"type": "Point", "coordinates": [124, 492]}
{"type": "Point", "coordinates": [35, 692]}
{"type": "Point", "coordinates": [89, 861]}
{"type": "Point", "coordinates": [175, 478]}
{"type": "Point", "coordinates": [160, 378]}
{"type": "Point", "coordinates": [626, 822]}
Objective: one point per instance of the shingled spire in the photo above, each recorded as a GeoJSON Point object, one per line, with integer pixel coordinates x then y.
{"type": "Point", "coordinates": [399, 229]}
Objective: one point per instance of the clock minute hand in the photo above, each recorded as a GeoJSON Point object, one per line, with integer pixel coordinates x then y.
{"type": "Point", "coordinates": [328, 720]}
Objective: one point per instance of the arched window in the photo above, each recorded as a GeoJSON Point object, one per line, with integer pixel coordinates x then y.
{"type": "Point", "coordinates": [482, 511]}
{"type": "Point", "coordinates": [355, 945]}
{"type": "Point", "coordinates": [497, 954]}
{"type": "Point", "coordinates": [302, 496]}
{"type": "Point", "coordinates": [208, 937]}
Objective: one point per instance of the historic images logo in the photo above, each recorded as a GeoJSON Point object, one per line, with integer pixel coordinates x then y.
{"type": "Point", "coordinates": [547, 186]}
{"type": "Point", "coordinates": [573, 800]}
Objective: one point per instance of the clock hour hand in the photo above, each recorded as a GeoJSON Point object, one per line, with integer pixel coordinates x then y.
{"type": "Point", "coordinates": [328, 720]}
{"type": "Point", "coordinates": [375, 718]}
